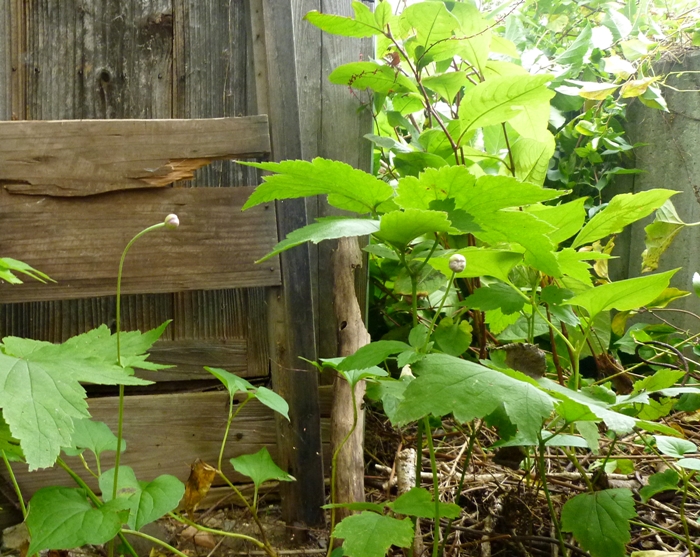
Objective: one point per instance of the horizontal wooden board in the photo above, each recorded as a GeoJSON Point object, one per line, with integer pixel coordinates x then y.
{"type": "Point", "coordinates": [190, 356]}
{"type": "Point", "coordinates": [165, 434]}
{"type": "Point", "coordinates": [86, 157]}
{"type": "Point", "coordinates": [78, 242]}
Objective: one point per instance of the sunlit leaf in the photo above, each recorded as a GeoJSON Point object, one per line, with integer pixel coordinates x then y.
{"type": "Point", "coordinates": [370, 534]}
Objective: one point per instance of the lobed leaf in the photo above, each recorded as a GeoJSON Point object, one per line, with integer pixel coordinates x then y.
{"type": "Point", "coordinates": [370, 534]}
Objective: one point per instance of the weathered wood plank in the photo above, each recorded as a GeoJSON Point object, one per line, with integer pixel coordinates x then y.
{"type": "Point", "coordinates": [165, 433]}
{"type": "Point", "coordinates": [78, 242]}
{"type": "Point", "coordinates": [300, 440]}
{"type": "Point", "coordinates": [190, 356]}
{"type": "Point", "coordinates": [5, 60]}
{"type": "Point", "coordinates": [85, 157]}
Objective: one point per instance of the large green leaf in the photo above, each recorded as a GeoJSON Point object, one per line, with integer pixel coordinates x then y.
{"type": "Point", "coordinates": [660, 482]}
{"type": "Point", "coordinates": [446, 85]}
{"type": "Point", "coordinates": [326, 229]}
{"type": "Point", "coordinates": [623, 209]}
{"type": "Point", "coordinates": [532, 156]}
{"type": "Point", "coordinates": [347, 188]}
{"type": "Point", "coordinates": [402, 227]}
{"type": "Point", "coordinates": [430, 20]}
{"type": "Point", "coordinates": [372, 354]}
{"type": "Point", "coordinates": [370, 534]}
{"type": "Point", "coordinates": [148, 501]}
{"type": "Point", "coordinates": [480, 262]}
{"type": "Point", "coordinates": [364, 24]}
{"type": "Point", "coordinates": [40, 390]}
{"type": "Point", "coordinates": [433, 184]}
{"type": "Point", "coordinates": [370, 75]}
{"type": "Point", "coordinates": [496, 296]}
{"type": "Point", "coordinates": [600, 521]}
{"type": "Point", "coordinates": [260, 468]}
{"type": "Point", "coordinates": [418, 502]}
{"type": "Point", "coordinates": [64, 518]}
{"type": "Point", "coordinates": [567, 218]}
{"type": "Point", "coordinates": [446, 384]}
{"type": "Point", "coordinates": [491, 193]}
{"type": "Point", "coordinates": [622, 295]}
{"type": "Point", "coordinates": [273, 401]}
{"type": "Point", "coordinates": [660, 235]}
{"type": "Point", "coordinates": [498, 99]}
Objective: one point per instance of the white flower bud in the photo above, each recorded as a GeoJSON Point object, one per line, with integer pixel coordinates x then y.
{"type": "Point", "coordinates": [458, 263]}
{"type": "Point", "coordinates": [171, 221]}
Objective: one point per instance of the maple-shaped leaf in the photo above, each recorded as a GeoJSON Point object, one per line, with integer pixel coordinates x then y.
{"type": "Point", "coordinates": [40, 384]}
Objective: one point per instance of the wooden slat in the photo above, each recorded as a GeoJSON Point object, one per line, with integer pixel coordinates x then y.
{"type": "Point", "coordinates": [78, 242]}
{"type": "Point", "coordinates": [190, 356]}
{"type": "Point", "coordinates": [86, 157]}
{"type": "Point", "coordinates": [165, 433]}
{"type": "Point", "coordinates": [300, 440]}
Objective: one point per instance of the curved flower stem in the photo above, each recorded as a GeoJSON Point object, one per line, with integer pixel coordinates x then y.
{"type": "Point", "coordinates": [436, 485]}
{"type": "Point", "coordinates": [334, 466]}
{"type": "Point", "coordinates": [13, 479]}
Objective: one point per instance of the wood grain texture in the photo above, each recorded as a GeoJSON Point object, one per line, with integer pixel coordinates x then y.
{"type": "Point", "coordinates": [86, 157]}
{"type": "Point", "coordinates": [5, 60]}
{"type": "Point", "coordinates": [179, 428]}
{"type": "Point", "coordinates": [300, 441]}
{"type": "Point", "coordinates": [78, 242]}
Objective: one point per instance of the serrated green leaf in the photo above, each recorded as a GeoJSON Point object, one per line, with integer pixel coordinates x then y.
{"type": "Point", "coordinates": [672, 446]}
{"type": "Point", "coordinates": [496, 296]}
{"type": "Point", "coordinates": [260, 468]}
{"type": "Point", "coordinates": [658, 483]}
{"type": "Point", "coordinates": [434, 184]}
{"type": "Point", "coordinates": [418, 502]}
{"type": "Point", "coordinates": [148, 501]}
{"type": "Point", "coordinates": [372, 354]}
{"type": "Point", "coordinates": [273, 401]}
{"type": "Point", "coordinates": [450, 385]}
{"type": "Point", "coordinates": [623, 209]}
{"type": "Point", "coordinates": [64, 518]}
{"type": "Point", "coordinates": [415, 162]}
{"type": "Point", "coordinates": [481, 262]}
{"type": "Point", "coordinates": [446, 85]}
{"type": "Point", "coordinates": [662, 379]}
{"type": "Point", "coordinates": [347, 188]}
{"type": "Point", "coordinates": [566, 218]}
{"type": "Point", "coordinates": [489, 194]}
{"type": "Point", "coordinates": [8, 444]}
{"type": "Point", "coordinates": [430, 20]}
{"type": "Point", "coordinates": [532, 156]}
{"type": "Point", "coordinates": [600, 521]}
{"type": "Point", "coordinates": [41, 393]}
{"type": "Point", "coordinates": [501, 98]}
{"type": "Point", "coordinates": [94, 436]}
{"type": "Point", "coordinates": [622, 295]}
{"type": "Point", "coordinates": [453, 338]}
{"type": "Point", "coordinates": [370, 75]}
{"type": "Point", "coordinates": [326, 229]}
{"type": "Point", "coordinates": [347, 26]}
{"type": "Point", "coordinates": [402, 227]}
{"type": "Point", "coordinates": [370, 534]}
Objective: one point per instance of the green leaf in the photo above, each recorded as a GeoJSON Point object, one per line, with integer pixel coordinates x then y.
{"type": "Point", "coordinates": [359, 506]}
{"type": "Point", "coordinates": [434, 184]}
{"type": "Point", "coordinates": [94, 436]}
{"type": "Point", "coordinates": [453, 338]}
{"type": "Point", "coordinates": [491, 193]}
{"type": "Point", "coordinates": [8, 444]}
{"type": "Point", "coordinates": [480, 262]}
{"type": "Point", "coordinates": [496, 296]}
{"type": "Point", "coordinates": [7, 265]}
{"type": "Point", "coordinates": [672, 446]}
{"type": "Point", "coordinates": [402, 227]}
{"type": "Point", "coordinates": [370, 534]}
{"type": "Point", "coordinates": [532, 156]}
{"type": "Point", "coordinates": [689, 463]}
{"type": "Point", "coordinates": [430, 20]}
{"type": "Point", "coordinates": [273, 401]}
{"type": "Point", "coordinates": [497, 100]}
{"type": "Point", "coordinates": [41, 393]}
{"type": "Point", "coordinates": [600, 521]}
{"type": "Point", "coordinates": [575, 54]}
{"type": "Point", "coordinates": [63, 518]}
{"type": "Point", "coordinates": [346, 26]}
{"type": "Point", "coordinates": [658, 483]}
{"type": "Point", "coordinates": [354, 376]}
{"type": "Point", "coordinates": [372, 354]}
{"type": "Point", "coordinates": [622, 295]}
{"type": "Point", "coordinates": [446, 85]}
{"type": "Point", "coordinates": [659, 235]}
{"type": "Point", "coordinates": [347, 188]}
{"type": "Point", "coordinates": [415, 162]}
{"type": "Point", "coordinates": [326, 229]}
{"type": "Point", "coordinates": [567, 218]}
{"type": "Point", "coordinates": [260, 468]}
{"type": "Point", "coordinates": [370, 75]}
{"type": "Point", "coordinates": [623, 209]}
{"type": "Point", "coordinates": [445, 385]}
{"type": "Point", "coordinates": [148, 501]}
{"type": "Point", "coordinates": [662, 379]}
{"type": "Point", "coordinates": [418, 502]}
{"type": "Point", "coordinates": [233, 383]}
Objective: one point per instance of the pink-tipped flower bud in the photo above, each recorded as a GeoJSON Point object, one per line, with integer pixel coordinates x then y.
{"type": "Point", "coordinates": [458, 263]}
{"type": "Point", "coordinates": [171, 221]}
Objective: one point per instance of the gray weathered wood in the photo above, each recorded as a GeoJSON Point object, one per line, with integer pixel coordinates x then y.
{"type": "Point", "coordinates": [78, 242]}
{"type": "Point", "coordinates": [5, 60]}
{"type": "Point", "coordinates": [300, 441]}
{"type": "Point", "coordinates": [85, 157]}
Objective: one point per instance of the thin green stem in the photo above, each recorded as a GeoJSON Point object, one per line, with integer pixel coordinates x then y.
{"type": "Point", "coordinates": [684, 518]}
{"type": "Point", "coordinates": [543, 477]}
{"type": "Point", "coordinates": [231, 417]}
{"type": "Point", "coordinates": [253, 511]}
{"type": "Point", "coordinates": [436, 485]}
{"type": "Point", "coordinates": [156, 541]}
{"type": "Point", "coordinates": [419, 450]}
{"type": "Point", "coordinates": [334, 467]}
{"type": "Point", "coordinates": [652, 526]}
{"type": "Point", "coordinates": [13, 479]}
{"type": "Point", "coordinates": [584, 475]}
{"type": "Point", "coordinates": [439, 311]}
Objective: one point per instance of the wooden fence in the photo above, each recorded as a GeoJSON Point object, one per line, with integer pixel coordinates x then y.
{"type": "Point", "coordinates": [185, 86]}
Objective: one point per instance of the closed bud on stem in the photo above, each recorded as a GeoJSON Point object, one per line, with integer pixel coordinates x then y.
{"type": "Point", "coordinates": [458, 263]}
{"type": "Point", "coordinates": [171, 221]}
